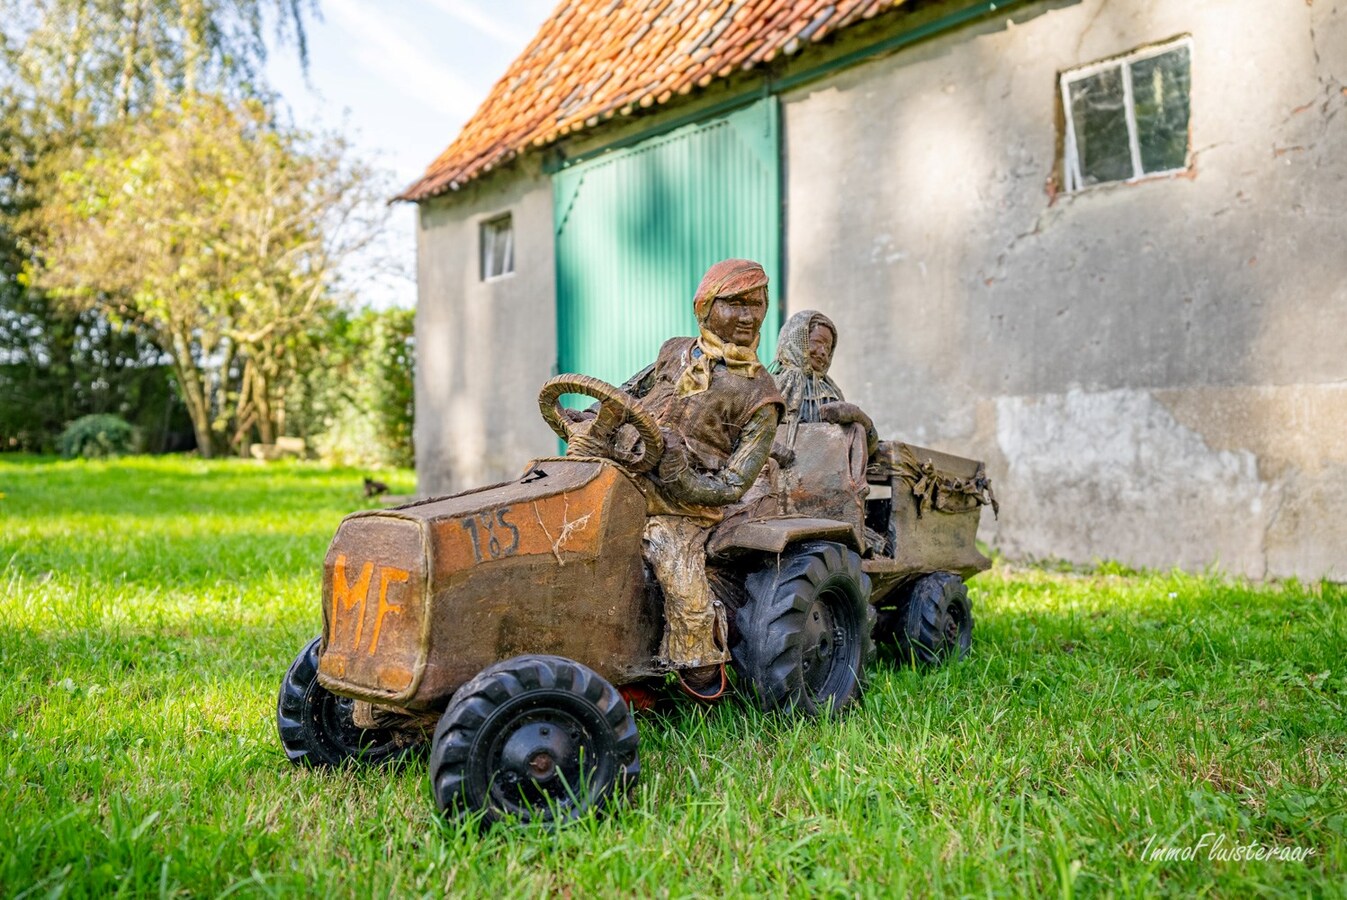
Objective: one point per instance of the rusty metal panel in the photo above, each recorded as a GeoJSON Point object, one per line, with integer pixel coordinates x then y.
{"type": "Point", "coordinates": [548, 590]}
{"type": "Point", "coordinates": [827, 478]}
{"type": "Point", "coordinates": [419, 599]}
{"type": "Point", "coordinates": [935, 541]}
{"type": "Point", "coordinates": [929, 540]}
{"type": "Point", "coordinates": [374, 608]}
{"type": "Point", "coordinates": [561, 518]}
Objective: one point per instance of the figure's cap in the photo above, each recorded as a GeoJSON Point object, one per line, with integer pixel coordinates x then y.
{"type": "Point", "coordinates": [727, 278]}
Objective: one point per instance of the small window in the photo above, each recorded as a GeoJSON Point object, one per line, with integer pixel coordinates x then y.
{"type": "Point", "coordinates": [1127, 118]}
{"type": "Point", "coordinates": [497, 247]}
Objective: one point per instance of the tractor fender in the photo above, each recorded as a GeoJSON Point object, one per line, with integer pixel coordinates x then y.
{"type": "Point", "coordinates": [776, 534]}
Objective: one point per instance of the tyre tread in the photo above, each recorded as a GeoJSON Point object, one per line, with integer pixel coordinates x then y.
{"type": "Point", "coordinates": [771, 625]}
{"type": "Point", "coordinates": [496, 685]}
{"type": "Point", "coordinates": [299, 727]}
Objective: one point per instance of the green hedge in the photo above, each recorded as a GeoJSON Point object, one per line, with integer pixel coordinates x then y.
{"type": "Point", "coordinates": [352, 398]}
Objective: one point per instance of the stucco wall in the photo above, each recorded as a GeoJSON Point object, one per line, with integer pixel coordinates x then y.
{"type": "Point", "coordinates": [483, 347]}
{"type": "Point", "coordinates": [1155, 372]}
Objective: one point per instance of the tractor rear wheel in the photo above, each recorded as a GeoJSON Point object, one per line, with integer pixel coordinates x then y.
{"type": "Point", "coordinates": [804, 634]}
{"type": "Point", "coordinates": [317, 727]}
{"type": "Point", "coordinates": [536, 739]}
{"type": "Point", "coordinates": [933, 624]}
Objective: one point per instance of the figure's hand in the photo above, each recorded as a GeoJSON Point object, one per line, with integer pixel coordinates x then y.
{"type": "Point", "coordinates": [783, 455]}
{"type": "Point", "coordinates": [577, 415]}
{"type": "Point", "coordinates": [673, 465]}
{"type": "Point", "coordinates": [625, 441]}
{"type": "Point", "coordinates": [583, 441]}
{"type": "Point", "coordinates": [833, 413]}
{"type": "Point", "coordinates": [843, 413]}
{"type": "Point", "coordinates": [598, 431]}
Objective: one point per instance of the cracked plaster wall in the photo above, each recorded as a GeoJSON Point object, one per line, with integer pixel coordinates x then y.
{"type": "Point", "coordinates": [1154, 372]}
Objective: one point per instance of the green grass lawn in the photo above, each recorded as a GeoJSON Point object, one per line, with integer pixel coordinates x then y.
{"type": "Point", "coordinates": [148, 608]}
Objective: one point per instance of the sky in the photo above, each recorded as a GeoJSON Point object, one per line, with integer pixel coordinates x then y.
{"type": "Point", "coordinates": [400, 78]}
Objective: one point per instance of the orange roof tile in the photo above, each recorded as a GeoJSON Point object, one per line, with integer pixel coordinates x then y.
{"type": "Point", "coordinates": [594, 59]}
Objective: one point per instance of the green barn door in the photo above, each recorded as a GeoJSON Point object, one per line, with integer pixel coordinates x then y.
{"type": "Point", "coordinates": [637, 228]}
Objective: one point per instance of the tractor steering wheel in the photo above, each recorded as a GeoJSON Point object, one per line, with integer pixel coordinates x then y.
{"type": "Point", "coordinates": [616, 408]}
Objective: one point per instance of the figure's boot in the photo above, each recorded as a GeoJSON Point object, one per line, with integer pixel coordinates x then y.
{"type": "Point", "coordinates": [705, 683]}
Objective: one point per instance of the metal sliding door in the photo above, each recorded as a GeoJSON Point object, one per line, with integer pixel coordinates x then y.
{"type": "Point", "coordinates": [636, 229]}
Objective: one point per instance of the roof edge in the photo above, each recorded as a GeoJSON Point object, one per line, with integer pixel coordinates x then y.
{"type": "Point", "coordinates": [768, 79]}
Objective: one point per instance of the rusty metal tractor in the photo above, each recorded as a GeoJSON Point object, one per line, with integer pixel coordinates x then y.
{"type": "Point", "coordinates": [512, 623]}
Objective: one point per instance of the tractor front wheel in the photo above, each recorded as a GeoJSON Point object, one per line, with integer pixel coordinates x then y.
{"type": "Point", "coordinates": [317, 727]}
{"type": "Point", "coordinates": [536, 739]}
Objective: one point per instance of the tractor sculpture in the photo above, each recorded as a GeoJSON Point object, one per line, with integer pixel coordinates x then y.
{"type": "Point", "coordinates": [512, 623]}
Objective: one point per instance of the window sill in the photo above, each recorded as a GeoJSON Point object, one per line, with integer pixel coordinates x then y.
{"type": "Point", "coordinates": [1189, 172]}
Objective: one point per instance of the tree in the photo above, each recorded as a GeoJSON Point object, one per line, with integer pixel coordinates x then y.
{"type": "Point", "coordinates": [57, 366]}
{"type": "Point", "coordinates": [71, 71]}
{"type": "Point", "coordinates": [213, 232]}
{"type": "Point", "coordinates": [352, 391]}
{"type": "Point", "coordinates": [77, 64]}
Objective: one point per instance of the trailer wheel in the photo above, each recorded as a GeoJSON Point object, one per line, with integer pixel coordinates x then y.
{"type": "Point", "coordinates": [536, 739]}
{"type": "Point", "coordinates": [804, 634]}
{"type": "Point", "coordinates": [935, 623]}
{"type": "Point", "coordinates": [316, 726]}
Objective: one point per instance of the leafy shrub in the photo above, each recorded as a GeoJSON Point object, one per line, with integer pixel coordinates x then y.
{"type": "Point", "coordinates": [353, 398]}
{"type": "Point", "coordinates": [96, 435]}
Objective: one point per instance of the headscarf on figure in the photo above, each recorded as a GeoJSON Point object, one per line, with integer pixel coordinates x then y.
{"type": "Point", "coordinates": [811, 395]}
{"type": "Point", "coordinates": [804, 390]}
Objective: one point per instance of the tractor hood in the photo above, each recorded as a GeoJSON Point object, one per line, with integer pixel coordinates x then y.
{"type": "Point", "coordinates": [418, 598]}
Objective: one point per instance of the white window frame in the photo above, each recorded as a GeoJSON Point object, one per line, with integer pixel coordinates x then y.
{"type": "Point", "coordinates": [486, 238]}
{"type": "Point", "coordinates": [1070, 155]}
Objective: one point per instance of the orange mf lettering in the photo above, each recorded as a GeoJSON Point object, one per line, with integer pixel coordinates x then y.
{"type": "Point", "coordinates": [345, 596]}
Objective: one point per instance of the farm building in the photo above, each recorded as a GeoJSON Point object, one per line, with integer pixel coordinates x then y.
{"type": "Point", "coordinates": [1097, 243]}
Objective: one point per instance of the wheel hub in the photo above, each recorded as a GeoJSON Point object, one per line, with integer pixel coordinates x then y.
{"type": "Point", "coordinates": [334, 718]}
{"type": "Point", "coordinates": [823, 640]}
{"type": "Point", "coordinates": [542, 766]}
{"type": "Point", "coordinates": [951, 629]}
{"type": "Point", "coordinates": [537, 750]}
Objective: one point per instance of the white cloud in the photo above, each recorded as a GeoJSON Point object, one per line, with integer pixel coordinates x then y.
{"type": "Point", "coordinates": [474, 18]}
{"type": "Point", "coordinates": [380, 49]}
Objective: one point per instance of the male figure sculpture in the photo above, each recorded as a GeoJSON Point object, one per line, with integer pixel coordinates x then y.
{"type": "Point", "coordinates": [718, 409]}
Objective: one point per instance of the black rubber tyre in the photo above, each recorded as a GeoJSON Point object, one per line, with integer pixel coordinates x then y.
{"type": "Point", "coordinates": [535, 739]}
{"type": "Point", "coordinates": [933, 625]}
{"type": "Point", "coordinates": [804, 634]}
{"type": "Point", "coordinates": [316, 726]}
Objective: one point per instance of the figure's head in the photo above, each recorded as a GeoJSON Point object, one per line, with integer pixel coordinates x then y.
{"type": "Point", "coordinates": [819, 346]}
{"type": "Point", "coordinates": [731, 301]}
{"type": "Point", "coordinates": [807, 342]}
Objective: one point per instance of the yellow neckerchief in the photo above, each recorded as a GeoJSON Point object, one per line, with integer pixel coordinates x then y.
{"type": "Point", "coordinates": [741, 361]}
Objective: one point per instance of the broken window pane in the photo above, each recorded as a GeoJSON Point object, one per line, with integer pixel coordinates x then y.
{"type": "Point", "coordinates": [1160, 95]}
{"type": "Point", "coordinates": [1100, 117]}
